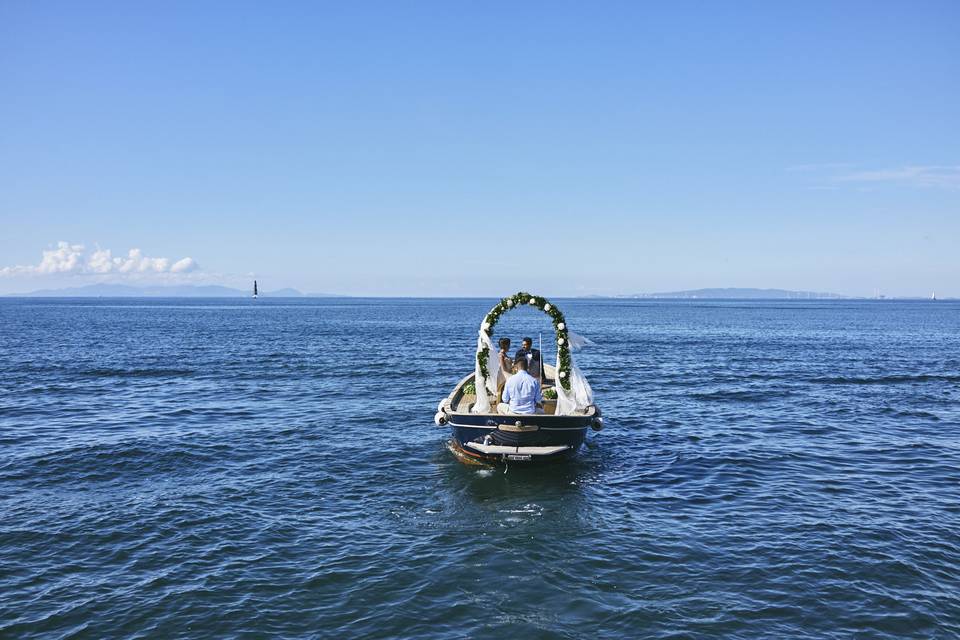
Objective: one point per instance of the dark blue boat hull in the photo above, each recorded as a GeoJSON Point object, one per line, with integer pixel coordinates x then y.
{"type": "Point", "coordinates": [551, 430]}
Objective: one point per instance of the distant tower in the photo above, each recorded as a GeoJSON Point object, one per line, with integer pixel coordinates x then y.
{"type": "Point", "coordinates": [254, 288]}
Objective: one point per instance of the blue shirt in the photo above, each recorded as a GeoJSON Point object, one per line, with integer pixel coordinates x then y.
{"type": "Point", "coordinates": [522, 391]}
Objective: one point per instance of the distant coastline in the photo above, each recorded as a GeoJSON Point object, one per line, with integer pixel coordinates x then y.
{"type": "Point", "coordinates": [746, 293]}
{"type": "Point", "coordinates": [217, 291]}
{"type": "Point", "coordinates": [742, 293]}
{"type": "Point", "coordinates": [162, 291]}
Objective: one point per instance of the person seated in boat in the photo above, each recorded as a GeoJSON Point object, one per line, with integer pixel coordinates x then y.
{"type": "Point", "coordinates": [521, 393]}
{"type": "Point", "coordinates": [532, 355]}
{"type": "Point", "coordinates": [506, 366]}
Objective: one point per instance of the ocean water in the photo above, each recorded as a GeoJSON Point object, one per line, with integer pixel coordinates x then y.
{"type": "Point", "coordinates": [211, 468]}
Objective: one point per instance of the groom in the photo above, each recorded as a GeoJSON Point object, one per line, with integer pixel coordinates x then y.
{"type": "Point", "coordinates": [532, 356]}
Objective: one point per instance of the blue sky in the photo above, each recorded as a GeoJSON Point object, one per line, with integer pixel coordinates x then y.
{"type": "Point", "coordinates": [479, 148]}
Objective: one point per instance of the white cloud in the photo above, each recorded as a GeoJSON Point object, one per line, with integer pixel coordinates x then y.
{"type": "Point", "coordinates": [832, 176]}
{"type": "Point", "coordinates": [101, 261]}
{"type": "Point", "coordinates": [942, 176]}
{"type": "Point", "coordinates": [136, 262]}
{"type": "Point", "coordinates": [72, 259]}
{"type": "Point", "coordinates": [185, 265]}
{"type": "Point", "coordinates": [64, 259]}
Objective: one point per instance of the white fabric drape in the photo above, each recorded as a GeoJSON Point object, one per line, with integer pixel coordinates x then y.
{"type": "Point", "coordinates": [580, 395]}
{"type": "Point", "coordinates": [482, 405]}
{"type": "Point", "coordinates": [578, 341]}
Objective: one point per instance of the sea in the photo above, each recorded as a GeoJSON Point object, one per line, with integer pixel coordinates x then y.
{"type": "Point", "coordinates": [238, 468]}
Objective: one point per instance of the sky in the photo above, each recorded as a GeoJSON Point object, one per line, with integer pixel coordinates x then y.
{"type": "Point", "coordinates": [476, 149]}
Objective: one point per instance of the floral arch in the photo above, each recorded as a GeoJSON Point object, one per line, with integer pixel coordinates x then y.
{"type": "Point", "coordinates": [559, 326]}
{"type": "Point", "coordinates": [573, 391]}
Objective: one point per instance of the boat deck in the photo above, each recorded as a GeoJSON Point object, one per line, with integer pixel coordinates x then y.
{"type": "Point", "coordinates": [462, 403]}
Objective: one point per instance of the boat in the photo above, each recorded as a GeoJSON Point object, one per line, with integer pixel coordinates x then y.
{"type": "Point", "coordinates": [254, 289]}
{"type": "Point", "coordinates": [481, 434]}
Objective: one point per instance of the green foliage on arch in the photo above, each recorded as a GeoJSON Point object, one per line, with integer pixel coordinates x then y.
{"type": "Point", "coordinates": [519, 299]}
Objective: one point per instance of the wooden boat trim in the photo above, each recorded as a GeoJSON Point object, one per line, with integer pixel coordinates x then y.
{"type": "Point", "coordinates": [519, 428]}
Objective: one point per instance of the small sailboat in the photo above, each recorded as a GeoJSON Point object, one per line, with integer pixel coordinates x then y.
{"type": "Point", "coordinates": [933, 296]}
{"type": "Point", "coordinates": [254, 289]}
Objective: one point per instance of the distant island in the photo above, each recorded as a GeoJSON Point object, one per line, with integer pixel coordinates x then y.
{"type": "Point", "coordinates": [163, 291]}
{"type": "Point", "coordinates": [743, 294]}
{"type": "Point", "coordinates": [106, 290]}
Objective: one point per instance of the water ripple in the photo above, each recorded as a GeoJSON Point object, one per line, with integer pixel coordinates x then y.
{"type": "Point", "coordinates": [767, 470]}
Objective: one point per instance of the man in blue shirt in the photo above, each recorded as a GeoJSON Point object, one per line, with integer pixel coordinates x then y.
{"type": "Point", "coordinates": [522, 391]}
